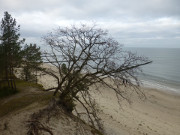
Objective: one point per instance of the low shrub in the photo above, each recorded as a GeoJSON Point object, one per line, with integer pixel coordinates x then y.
{"type": "Point", "coordinates": [6, 91]}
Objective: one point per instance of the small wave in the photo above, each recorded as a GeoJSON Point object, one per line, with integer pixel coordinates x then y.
{"type": "Point", "coordinates": [151, 84]}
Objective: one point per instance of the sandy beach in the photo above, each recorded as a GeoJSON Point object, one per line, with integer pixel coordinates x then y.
{"type": "Point", "coordinates": [158, 114]}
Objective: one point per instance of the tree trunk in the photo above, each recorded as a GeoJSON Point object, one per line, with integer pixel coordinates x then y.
{"type": "Point", "coordinates": [66, 100]}
{"type": "Point", "coordinates": [13, 79]}
{"type": "Point", "coordinates": [6, 75]}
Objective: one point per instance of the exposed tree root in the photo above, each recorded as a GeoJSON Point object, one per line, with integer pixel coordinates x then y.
{"type": "Point", "coordinates": [35, 127]}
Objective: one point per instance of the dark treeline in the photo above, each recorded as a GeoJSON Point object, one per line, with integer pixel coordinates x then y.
{"type": "Point", "coordinates": [13, 55]}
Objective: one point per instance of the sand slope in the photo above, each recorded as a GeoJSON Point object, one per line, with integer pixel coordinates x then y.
{"type": "Point", "coordinates": [159, 114]}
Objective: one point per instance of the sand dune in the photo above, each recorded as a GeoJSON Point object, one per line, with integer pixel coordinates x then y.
{"type": "Point", "coordinates": [159, 114]}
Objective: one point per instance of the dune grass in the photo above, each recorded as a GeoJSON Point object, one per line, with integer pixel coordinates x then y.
{"type": "Point", "coordinates": [19, 103]}
{"type": "Point", "coordinates": [21, 86]}
{"type": "Point", "coordinates": [23, 97]}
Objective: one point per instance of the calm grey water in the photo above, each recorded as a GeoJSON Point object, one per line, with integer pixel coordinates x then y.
{"type": "Point", "coordinates": [164, 71]}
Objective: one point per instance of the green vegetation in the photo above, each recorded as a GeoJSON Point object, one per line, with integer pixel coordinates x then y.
{"type": "Point", "coordinates": [15, 93]}
{"type": "Point", "coordinates": [19, 103]}
{"type": "Point", "coordinates": [24, 97]}
{"type": "Point", "coordinates": [13, 56]}
{"type": "Point", "coordinates": [23, 84]}
{"type": "Point", "coordinates": [10, 49]}
{"type": "Point", "coordinates": [31, 60]}
{"type": "Point", "coordinates": [6, 91]}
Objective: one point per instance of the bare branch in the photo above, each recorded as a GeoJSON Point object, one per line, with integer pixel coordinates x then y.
{"type": "Point", "coordinates": [85, 56]}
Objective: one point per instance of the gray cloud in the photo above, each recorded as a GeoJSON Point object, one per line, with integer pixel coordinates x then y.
{"type": "Point", "coordinates": [134, 21]}
{"type": "Point", "coordinates": [77, 9]}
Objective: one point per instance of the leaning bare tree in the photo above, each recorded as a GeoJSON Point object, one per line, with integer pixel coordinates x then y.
{"type": "Point", "coordinates": [84, 56]}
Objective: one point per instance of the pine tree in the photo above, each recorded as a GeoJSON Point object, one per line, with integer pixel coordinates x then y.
{"type": "Point", "coordinates": [31, 61]}
{"type": "Point", "coordinates": [10, 48]}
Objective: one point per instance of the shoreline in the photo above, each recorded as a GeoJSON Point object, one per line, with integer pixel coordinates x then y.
{"type": "Point", "coordinates": [160, 87]}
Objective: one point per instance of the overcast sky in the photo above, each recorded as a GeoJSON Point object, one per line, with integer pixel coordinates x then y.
{"type": "Point", "coordinates": [134, 23]}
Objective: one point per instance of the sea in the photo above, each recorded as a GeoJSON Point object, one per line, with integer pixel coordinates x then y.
{"type": "Point", "coordinates": [164, 71]}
